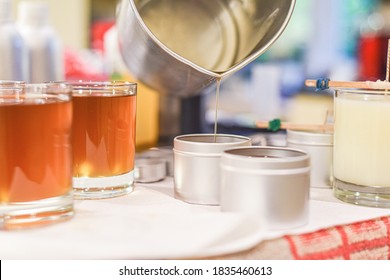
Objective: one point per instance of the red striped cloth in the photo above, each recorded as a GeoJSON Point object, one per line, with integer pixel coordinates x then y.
{"type": "Point", "coordinates": [365, 240]}
{"type": "Point", "coordinates": [361, 240]}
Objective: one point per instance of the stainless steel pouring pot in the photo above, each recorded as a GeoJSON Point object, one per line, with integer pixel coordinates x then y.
{"type": "Point", "coordinates": [180, 47]}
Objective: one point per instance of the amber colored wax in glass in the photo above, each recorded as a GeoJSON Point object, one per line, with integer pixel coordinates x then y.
{"type": "Point", "coordinates": [35, 150]}
{"type": "Point", "coordinates": [103, 135]}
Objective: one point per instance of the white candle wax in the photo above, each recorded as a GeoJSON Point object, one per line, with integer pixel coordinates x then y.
{"type": "Point", "coordinates": [362, 139]}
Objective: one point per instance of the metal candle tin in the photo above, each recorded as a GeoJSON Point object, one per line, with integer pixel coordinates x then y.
{"type": "Point", "coordinates": [196, 165]}
{"type": "Point", "coordinates": [149, 170]}
{"type": "Point", "coordinates": [271, 183]}
{"type": "Point", "coordinates": [163, 153]}
{"type": "Point", "coordinates": [320, 148]}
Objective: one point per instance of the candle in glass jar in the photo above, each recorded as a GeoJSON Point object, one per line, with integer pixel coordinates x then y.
{"type": "Point", "coordinates": [362, 146]}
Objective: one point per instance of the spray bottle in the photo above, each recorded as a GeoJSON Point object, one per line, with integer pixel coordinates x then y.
{"type": "Point", "coordinates": [44, 46]}
{"type": "Point", "coordinates": [13, 51]}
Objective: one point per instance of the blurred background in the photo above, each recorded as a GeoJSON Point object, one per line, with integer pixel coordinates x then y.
{"type": "Point", "coordinates": [340, 40]}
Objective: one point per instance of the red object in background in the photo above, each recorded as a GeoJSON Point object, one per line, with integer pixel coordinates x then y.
{"type": "Point", "coordinates": [83, 65]}
{"type": "Point", "coordinates": [98, 29]}
{"type": "Point", "coordinates": [89, 64]}
{"type": "Point", "coordinates": [372, 57]}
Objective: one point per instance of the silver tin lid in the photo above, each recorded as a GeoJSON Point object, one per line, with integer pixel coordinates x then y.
{"type": "Point", "coordinates": [149, 170]}
{"type": "Point", "coordinates": [309, 138]}
{"type": "Point", "coordinates": [208, 144]}
{"type": "Point", "coordinates": [164, 153]}
{"type": "Point", "coordinates": [265, 158]}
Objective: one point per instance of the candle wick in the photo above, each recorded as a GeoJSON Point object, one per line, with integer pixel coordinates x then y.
{"type": "Point", "coordinates": [325, 120]}
{"type": "Point", "coordinates": [387, 65]}
{"type": "Point", "coordinates": [388, 61]}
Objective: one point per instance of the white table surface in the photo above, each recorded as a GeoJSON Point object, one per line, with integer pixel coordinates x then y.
{"type": "Point", "coordinates": [150, 224]}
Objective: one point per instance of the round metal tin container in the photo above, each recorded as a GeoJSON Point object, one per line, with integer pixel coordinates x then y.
{"type": "Point", "coordinates": [320, 148]}
{"type": "Point", "coordinates": [164, 153]}
{"type": "Point", "coordinates": [271, 183]}
{"type": "Point", "coordinates": [149, 170]}
{"type": "Point", "coordinates": [196, 165]}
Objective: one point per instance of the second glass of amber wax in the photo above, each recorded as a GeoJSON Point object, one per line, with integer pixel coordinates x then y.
{"type": "Point", "coordinates": [103, 138]}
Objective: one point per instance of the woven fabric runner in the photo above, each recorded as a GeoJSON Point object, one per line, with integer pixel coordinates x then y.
{"type": "Point", "coordinates": [362, 240]}
{"type": "Point", "coordinates": [366, 240]}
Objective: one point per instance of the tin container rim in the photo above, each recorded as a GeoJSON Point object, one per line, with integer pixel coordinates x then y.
{"type": "Point", "coordinates": [266, 157]}
{"type": "Point", "coordinates": [316, 138]}
{"type": "Point", "coordinates": [204, 143]}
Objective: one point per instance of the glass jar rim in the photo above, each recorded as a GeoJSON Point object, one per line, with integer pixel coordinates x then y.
{"type": "Point", "coordinates": [102, 88]}
{"type": "Point", "coordinates": [362, 91]}
{"type": "Point", "coordinates": [11, 83]}
{"type": "Point", "coordinates": [35, 94]}
{"type": "Point", "coordinates": [89, 84]}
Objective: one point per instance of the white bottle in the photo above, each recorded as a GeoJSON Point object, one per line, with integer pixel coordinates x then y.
{"type": "Point", "coordinates": [13, 51]}
{"type": "Point", "coordinates": [44, 46]}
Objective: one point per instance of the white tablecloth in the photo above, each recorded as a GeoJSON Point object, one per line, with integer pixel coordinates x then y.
{"type": "Point", "coordinates": [150, 224]}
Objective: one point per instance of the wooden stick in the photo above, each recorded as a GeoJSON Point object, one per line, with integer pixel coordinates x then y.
{"type": "Point", "coordinates": [352, 84]}
{"type": "Point", "coordinates": [295, 126]}
{"type": "Point", "coordinates": [388, 61]}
